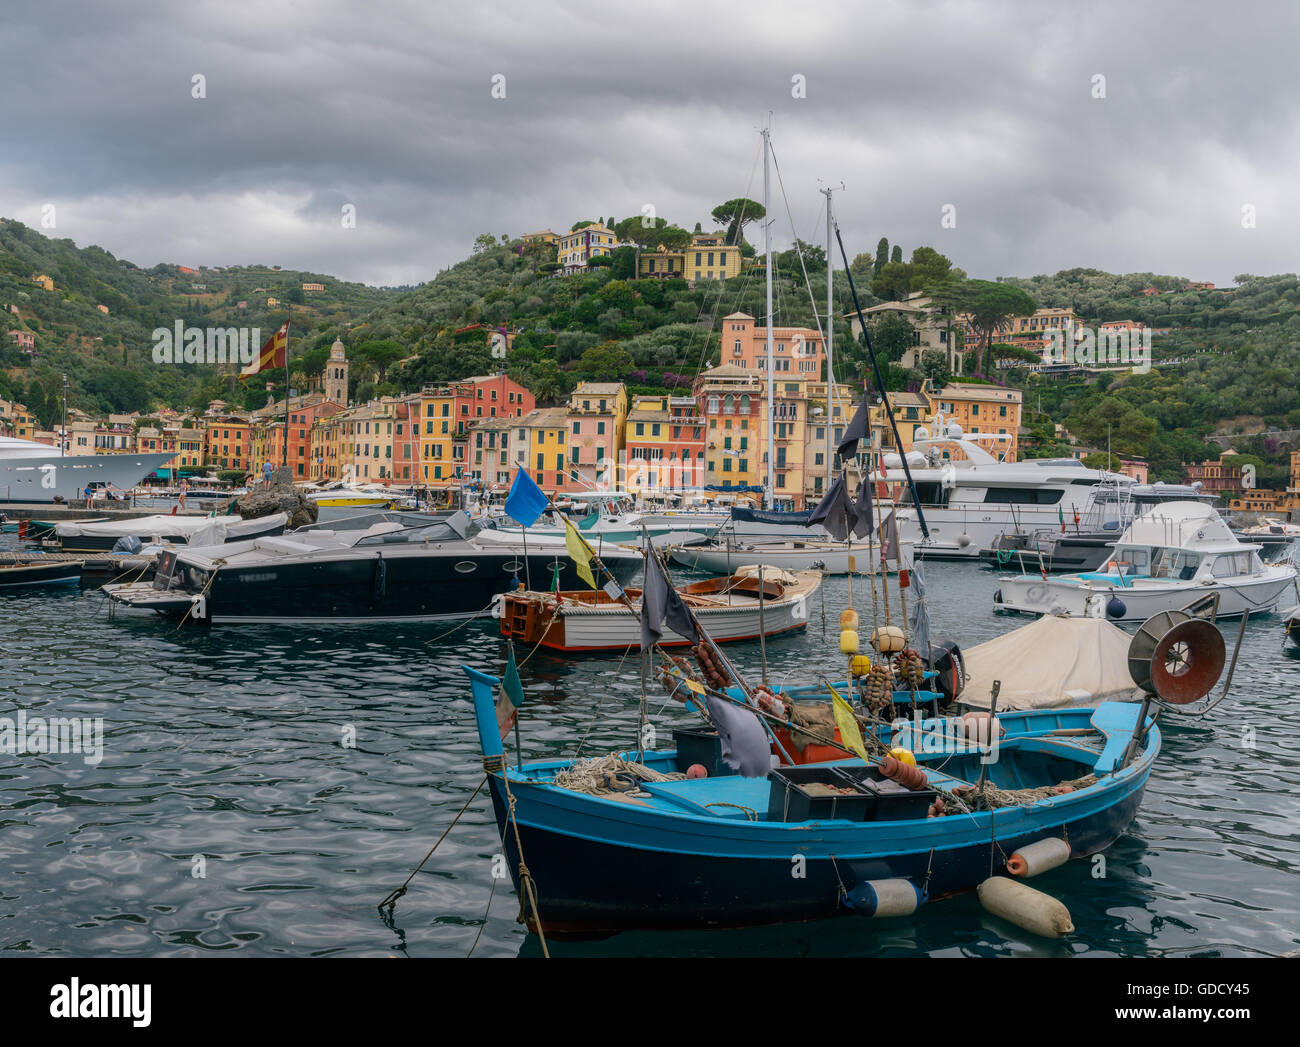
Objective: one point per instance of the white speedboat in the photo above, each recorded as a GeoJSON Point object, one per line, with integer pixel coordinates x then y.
{"type": "Point", "coordinates": [970, 498]}
{"type": "Point", "coordinates": [793, 555]}
{"type": "Point", "coordinates": [1170, 556]}
{"type": "Point", "coordinates": [32, 472]}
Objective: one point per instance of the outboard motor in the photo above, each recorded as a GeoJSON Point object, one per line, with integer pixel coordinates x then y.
{"type": "Point", "coordinates": [945, 656]}
{"type": "Point", "coordinates": [128, 543]}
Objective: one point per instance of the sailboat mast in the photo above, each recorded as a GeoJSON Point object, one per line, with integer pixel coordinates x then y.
{"type": "Point", "coordinates": [771, 363]}
{"type": "Point", "coordinates": [830, 340]}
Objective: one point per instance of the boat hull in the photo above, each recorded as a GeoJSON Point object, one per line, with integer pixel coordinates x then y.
{"type": "Point", "coordinates": [351, 587]}
{"type": "Point", "coordinates": [574, 626]}
{"type": "Point", "coordinates": [53, 478]}
{"type": "Point", "coordinates": [62, 572]}
{"type": "Point", "coordinates": [589, 884]}
{"type": "Point", "coordinates": [1035, 595]}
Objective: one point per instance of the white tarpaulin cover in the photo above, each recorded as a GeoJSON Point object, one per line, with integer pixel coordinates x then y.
{"type": "Point", "coordinates": [1052, 663]}
{"type": "Point", "coordinates": [197, 530]}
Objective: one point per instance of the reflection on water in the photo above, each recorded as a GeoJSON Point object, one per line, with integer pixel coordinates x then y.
{"type": "Point", "coordinates": [231, 814]}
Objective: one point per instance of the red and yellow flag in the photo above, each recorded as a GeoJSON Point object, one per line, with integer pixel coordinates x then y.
{"type": "Point", "coordinates": [273, 354]}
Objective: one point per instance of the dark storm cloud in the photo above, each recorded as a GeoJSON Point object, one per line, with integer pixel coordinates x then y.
{"type": "Point", "coordinates": [987, 107]}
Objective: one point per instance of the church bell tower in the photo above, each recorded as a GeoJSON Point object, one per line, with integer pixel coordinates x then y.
{"type": "Point", "coordinates": [336, 374]}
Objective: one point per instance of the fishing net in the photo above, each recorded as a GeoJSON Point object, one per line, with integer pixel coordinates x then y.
{"type": "Point", "coordinates": [966, 799]}
{"type": "Point", "coordinates": [601, 775]}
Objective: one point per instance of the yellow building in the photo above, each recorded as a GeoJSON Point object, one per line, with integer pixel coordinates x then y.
{"type": "Point", "coordinates": [545, 236]}
{"type": "Point", "coordinates": [44, 281]}
{"type": "Point", "coordinates": [326, 443]}
{"type": "Point", "coordinates": [577, 248]}
{"type": "Point", "coordinates": [16, 421]}
{"type": "Point", "coordinates": [440, 451]}
{"type": "Point", "coordinates": [988, 411]}
{"type": "Point", "coordinates": [730, 399]}
{"type": "Point", "coordinates": [818, 428]}
{"type": "Point", "coordinates": [709, 257]}
{"type": "Point", "coordinates": [539, 443]}
{"type": "Point", "coordinates": [911, 412]}
{"type": "Point", "coordinates": [366, 442]}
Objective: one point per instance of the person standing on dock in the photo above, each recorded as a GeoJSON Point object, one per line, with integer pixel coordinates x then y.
{"type": "Point", "coordinates": [90, 497]}
{"type": "Point", "coordinates": [183, 490]}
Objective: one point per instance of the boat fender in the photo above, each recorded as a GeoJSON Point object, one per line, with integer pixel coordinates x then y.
{"type": "Point", "coordinates": [1115, 607]}
{"type": "Point", "coordinates": [848, 641]}
{"type": "Point", "coordinates": [979, 726]}
{"type": "Point", "coordinates": [963, 540]}
{"type": "Point", "coordinates": [903, 755]}
{"type": "Point", "coordinates": [1038, 857]}
{"type": "Point", "coordinates": [849, 619]}
{"type": "Point", "coordinates": [1027, 908]}
{"type": "Point", "coordinates": [909, 776]}
{"type": "Point", "coordinates": [997, 596]}
{"type": "Point", "coordinates": [888, 639]}
{"type": "Point", "coordinates": [894, 897]}
{"type": "Point", "coordinates": [379, 581]}
{"type": "Point", "coordinates": [697, 770]}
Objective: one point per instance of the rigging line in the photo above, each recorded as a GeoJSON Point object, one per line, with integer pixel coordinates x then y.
{"type": "Point", "coordinates": [749, 187]}
{"type": "Point", "coordinates": [799, 251]}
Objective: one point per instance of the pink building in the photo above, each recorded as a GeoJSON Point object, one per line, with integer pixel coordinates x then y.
{"type": "Point", "coordinates": [1134, 467]}
{"type": "Point", "coordinates": [797, 351]}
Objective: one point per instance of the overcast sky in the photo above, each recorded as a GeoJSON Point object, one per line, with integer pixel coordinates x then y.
{"type": "Point", "coordinates": [988, 107]}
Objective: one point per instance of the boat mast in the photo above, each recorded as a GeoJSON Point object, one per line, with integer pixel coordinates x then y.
{"type": "Point", "coordinates": [830, 339]}
{"type": "Point", "coordinates": [771, 364]}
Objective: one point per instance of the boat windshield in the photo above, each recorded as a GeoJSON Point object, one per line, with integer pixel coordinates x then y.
{"type": "Point", "coordinates": [437, 531]}
{"type": "Point", "coordinates": [1156, 562]}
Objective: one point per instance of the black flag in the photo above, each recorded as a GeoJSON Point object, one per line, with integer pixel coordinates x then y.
{"type": "Point", "coordinates": [866, 523]}
{"type": "Point", "coordinates": [857, 430]}
{"type": "Point", "coordinates": [835, 512]}
{"type": "Point", "coordinates": [662, 605]}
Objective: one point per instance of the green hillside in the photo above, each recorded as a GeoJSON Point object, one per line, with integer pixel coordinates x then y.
{"type": "Point", "coordinates": [107, 357]}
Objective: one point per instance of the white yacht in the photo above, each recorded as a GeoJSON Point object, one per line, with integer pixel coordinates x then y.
{"type": "Point", "coordinates": [970, 498]}
{"type": "Point", "coordinates": [1171, 555]}
{"type": "Point", "coordinates": [32, 472]}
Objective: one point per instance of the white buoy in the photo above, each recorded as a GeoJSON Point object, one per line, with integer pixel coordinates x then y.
{"type": "Point", "coordinates": [1038, 857]}
{"type": "Point", "coordinates": [893, 897]}
{"type": "Point", "coordinates": [1027, 908]}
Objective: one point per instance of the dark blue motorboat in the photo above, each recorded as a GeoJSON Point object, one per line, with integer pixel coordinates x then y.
{"type": "Point", "coordinates": [717, 851]}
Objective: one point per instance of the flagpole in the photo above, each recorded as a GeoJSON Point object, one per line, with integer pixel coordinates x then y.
{"type": "Point", "coordinates": [286, 393]}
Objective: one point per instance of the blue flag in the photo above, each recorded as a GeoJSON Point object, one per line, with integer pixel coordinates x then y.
{"type": "Point", "coordinates": [525, 502]}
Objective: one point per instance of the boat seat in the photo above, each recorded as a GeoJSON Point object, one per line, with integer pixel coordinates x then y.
{"type": "Point", "coordinates": [1116, 721]}
{"type": "Point", "coordinates": [283, 545]}
{"type": "Point", "coordinates": [729, 795]}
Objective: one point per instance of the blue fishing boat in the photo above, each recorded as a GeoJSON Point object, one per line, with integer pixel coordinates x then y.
{"type": "Point", "coordinates": [716, 851]}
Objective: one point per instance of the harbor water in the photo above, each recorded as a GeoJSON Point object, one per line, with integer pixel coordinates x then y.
{"type": "Point", "coordinates": [262, 788]}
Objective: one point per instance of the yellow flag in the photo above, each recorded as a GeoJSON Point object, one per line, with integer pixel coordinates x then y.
{"type": "Point", "coordinates": [848, 724]}
{"type": "Point", "coordinates": [579, 552]}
